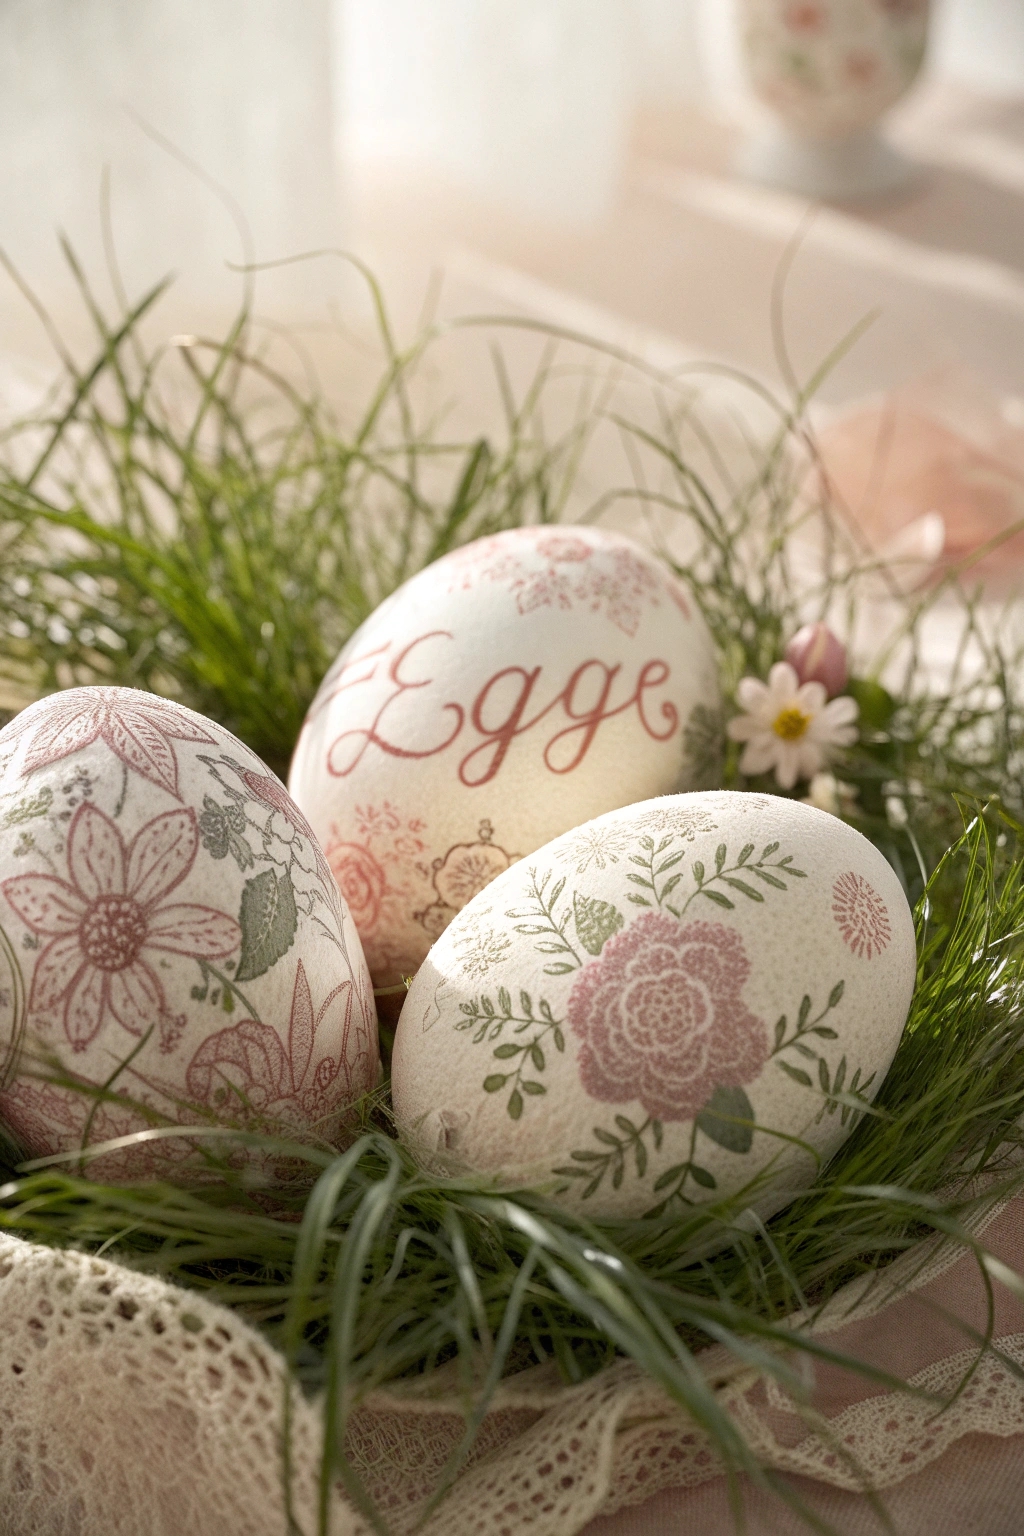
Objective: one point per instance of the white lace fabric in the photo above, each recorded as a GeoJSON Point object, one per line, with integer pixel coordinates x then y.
{"type": "Point", "coordinates": [130, 1406]}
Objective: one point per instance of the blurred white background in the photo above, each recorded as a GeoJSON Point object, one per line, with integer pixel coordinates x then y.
{"type": "Point", "coordinates": [583, 147]}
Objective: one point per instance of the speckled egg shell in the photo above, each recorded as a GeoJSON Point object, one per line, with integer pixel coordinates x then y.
{"type": "Point", "coordinates": [165, 909]}
{"type": "Point", "coordinates": [508, 692]}
{"type": "Point", "coordinates": [659, 1006]}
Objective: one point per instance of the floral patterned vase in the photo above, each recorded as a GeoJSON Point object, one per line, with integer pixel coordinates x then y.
{"type": "Point", "coordinates": [828, 70]}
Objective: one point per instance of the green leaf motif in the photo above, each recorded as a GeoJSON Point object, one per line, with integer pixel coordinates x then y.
{"type": "Point", "coordinates": [669, 1176]}
{"type": "Point", "coordinates": [612, 1162]}
{"type": "Point", "coordinates": [720, 1117]}
{"type": "Point", "coordinates": [28, 808]}
{"type": "Point", "coordinates": [268, 920]}
{"type": "Point", "coordinates": [596, 921]}
{"type": "Point", "coordinates": [769, 879]}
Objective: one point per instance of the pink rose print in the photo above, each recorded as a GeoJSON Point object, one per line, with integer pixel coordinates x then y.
{"type": "Point", "coordinates": [861, 914]}
{"type": "Point", "coordinates": [106, 917]}
{"type": "Point", "coordinates": [360, 880]}
{"type": "Point", "coordinates": [246, 1068]}
{"type": "Point", "coordinates": [662, 1020]}
{"type": "Point", "coordinates": [380, 862]}
{"type": "Point", "coordinates": [137, 727]}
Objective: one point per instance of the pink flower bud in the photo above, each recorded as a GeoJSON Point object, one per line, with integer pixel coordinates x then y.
{"type": "Point", "coordinates": [816, 656]}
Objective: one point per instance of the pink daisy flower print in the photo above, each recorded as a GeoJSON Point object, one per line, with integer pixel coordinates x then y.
{"type": "Point", "coordinates": [109, 919]}
{"type": "Point", "coordinates": [137, 727]}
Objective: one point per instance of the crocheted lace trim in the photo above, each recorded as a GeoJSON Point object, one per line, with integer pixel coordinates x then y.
{"type": "Point", "coordinates": [130, 1405]}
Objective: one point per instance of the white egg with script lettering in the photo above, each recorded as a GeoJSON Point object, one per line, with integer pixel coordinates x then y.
{"type": "Point", "coordinates": [511, 690]}
{"type": "Point", "coordinates": [693, 999]}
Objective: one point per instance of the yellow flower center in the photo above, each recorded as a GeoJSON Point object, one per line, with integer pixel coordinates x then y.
{"type": "Point", "coordinates": [791, 723]}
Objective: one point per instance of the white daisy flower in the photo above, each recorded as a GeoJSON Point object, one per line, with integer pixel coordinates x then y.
{"type": "Point", "coordinates": [789, 726]}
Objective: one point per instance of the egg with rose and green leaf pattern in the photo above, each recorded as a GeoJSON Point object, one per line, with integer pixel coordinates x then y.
{"type": "Point", "coordinates": [689, 999]}
{"type": "Point", "coordinates": [171, 939]}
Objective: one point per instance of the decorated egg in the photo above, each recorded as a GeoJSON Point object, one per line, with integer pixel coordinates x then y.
{"type": "Point", "coordinates": [508, 692]}
{"type": "Point", "coordinates": [677, 1002]}
{"type": "Point", "coordinates": [169, 931]}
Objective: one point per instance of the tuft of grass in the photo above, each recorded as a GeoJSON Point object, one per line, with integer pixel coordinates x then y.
{"type": "Point", "coordinates": [187, 519]}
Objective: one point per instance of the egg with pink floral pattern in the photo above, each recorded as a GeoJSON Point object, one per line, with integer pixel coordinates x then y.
{"type": "Point", "coordinates": [687, 1000]}
{"type": "Point", "coordinates": [171, 939]}
{"type": "Point", "coordinates": [508, 692]}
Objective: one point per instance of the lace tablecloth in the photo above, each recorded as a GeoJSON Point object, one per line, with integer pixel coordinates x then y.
{"type": "Point", "coordinates": [129, 1406]}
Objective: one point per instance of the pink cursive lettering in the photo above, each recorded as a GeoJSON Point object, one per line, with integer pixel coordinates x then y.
{"type": "Point", "coordinates": [499, 714]}
{"type": "Point", "coordinates": [367, 735]}
{"type": "Point", "coordinates": [498, 738]}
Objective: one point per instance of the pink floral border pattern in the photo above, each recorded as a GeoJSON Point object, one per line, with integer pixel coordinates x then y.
{"type": "Point", "coordinates": [137, 727]}
{"type": "Point", "coordinates": [108, 916]}
{"type": "Point", "coordinates": [381, 871]}
{"type": "Point", "coordinates": [661, 1017]}
{"type": "Point", "coordinates": [389, 881]}
{"type": "Point", "coordinates": [861, 915]}
{"type": "Point", "coordinates": [575, 574]}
